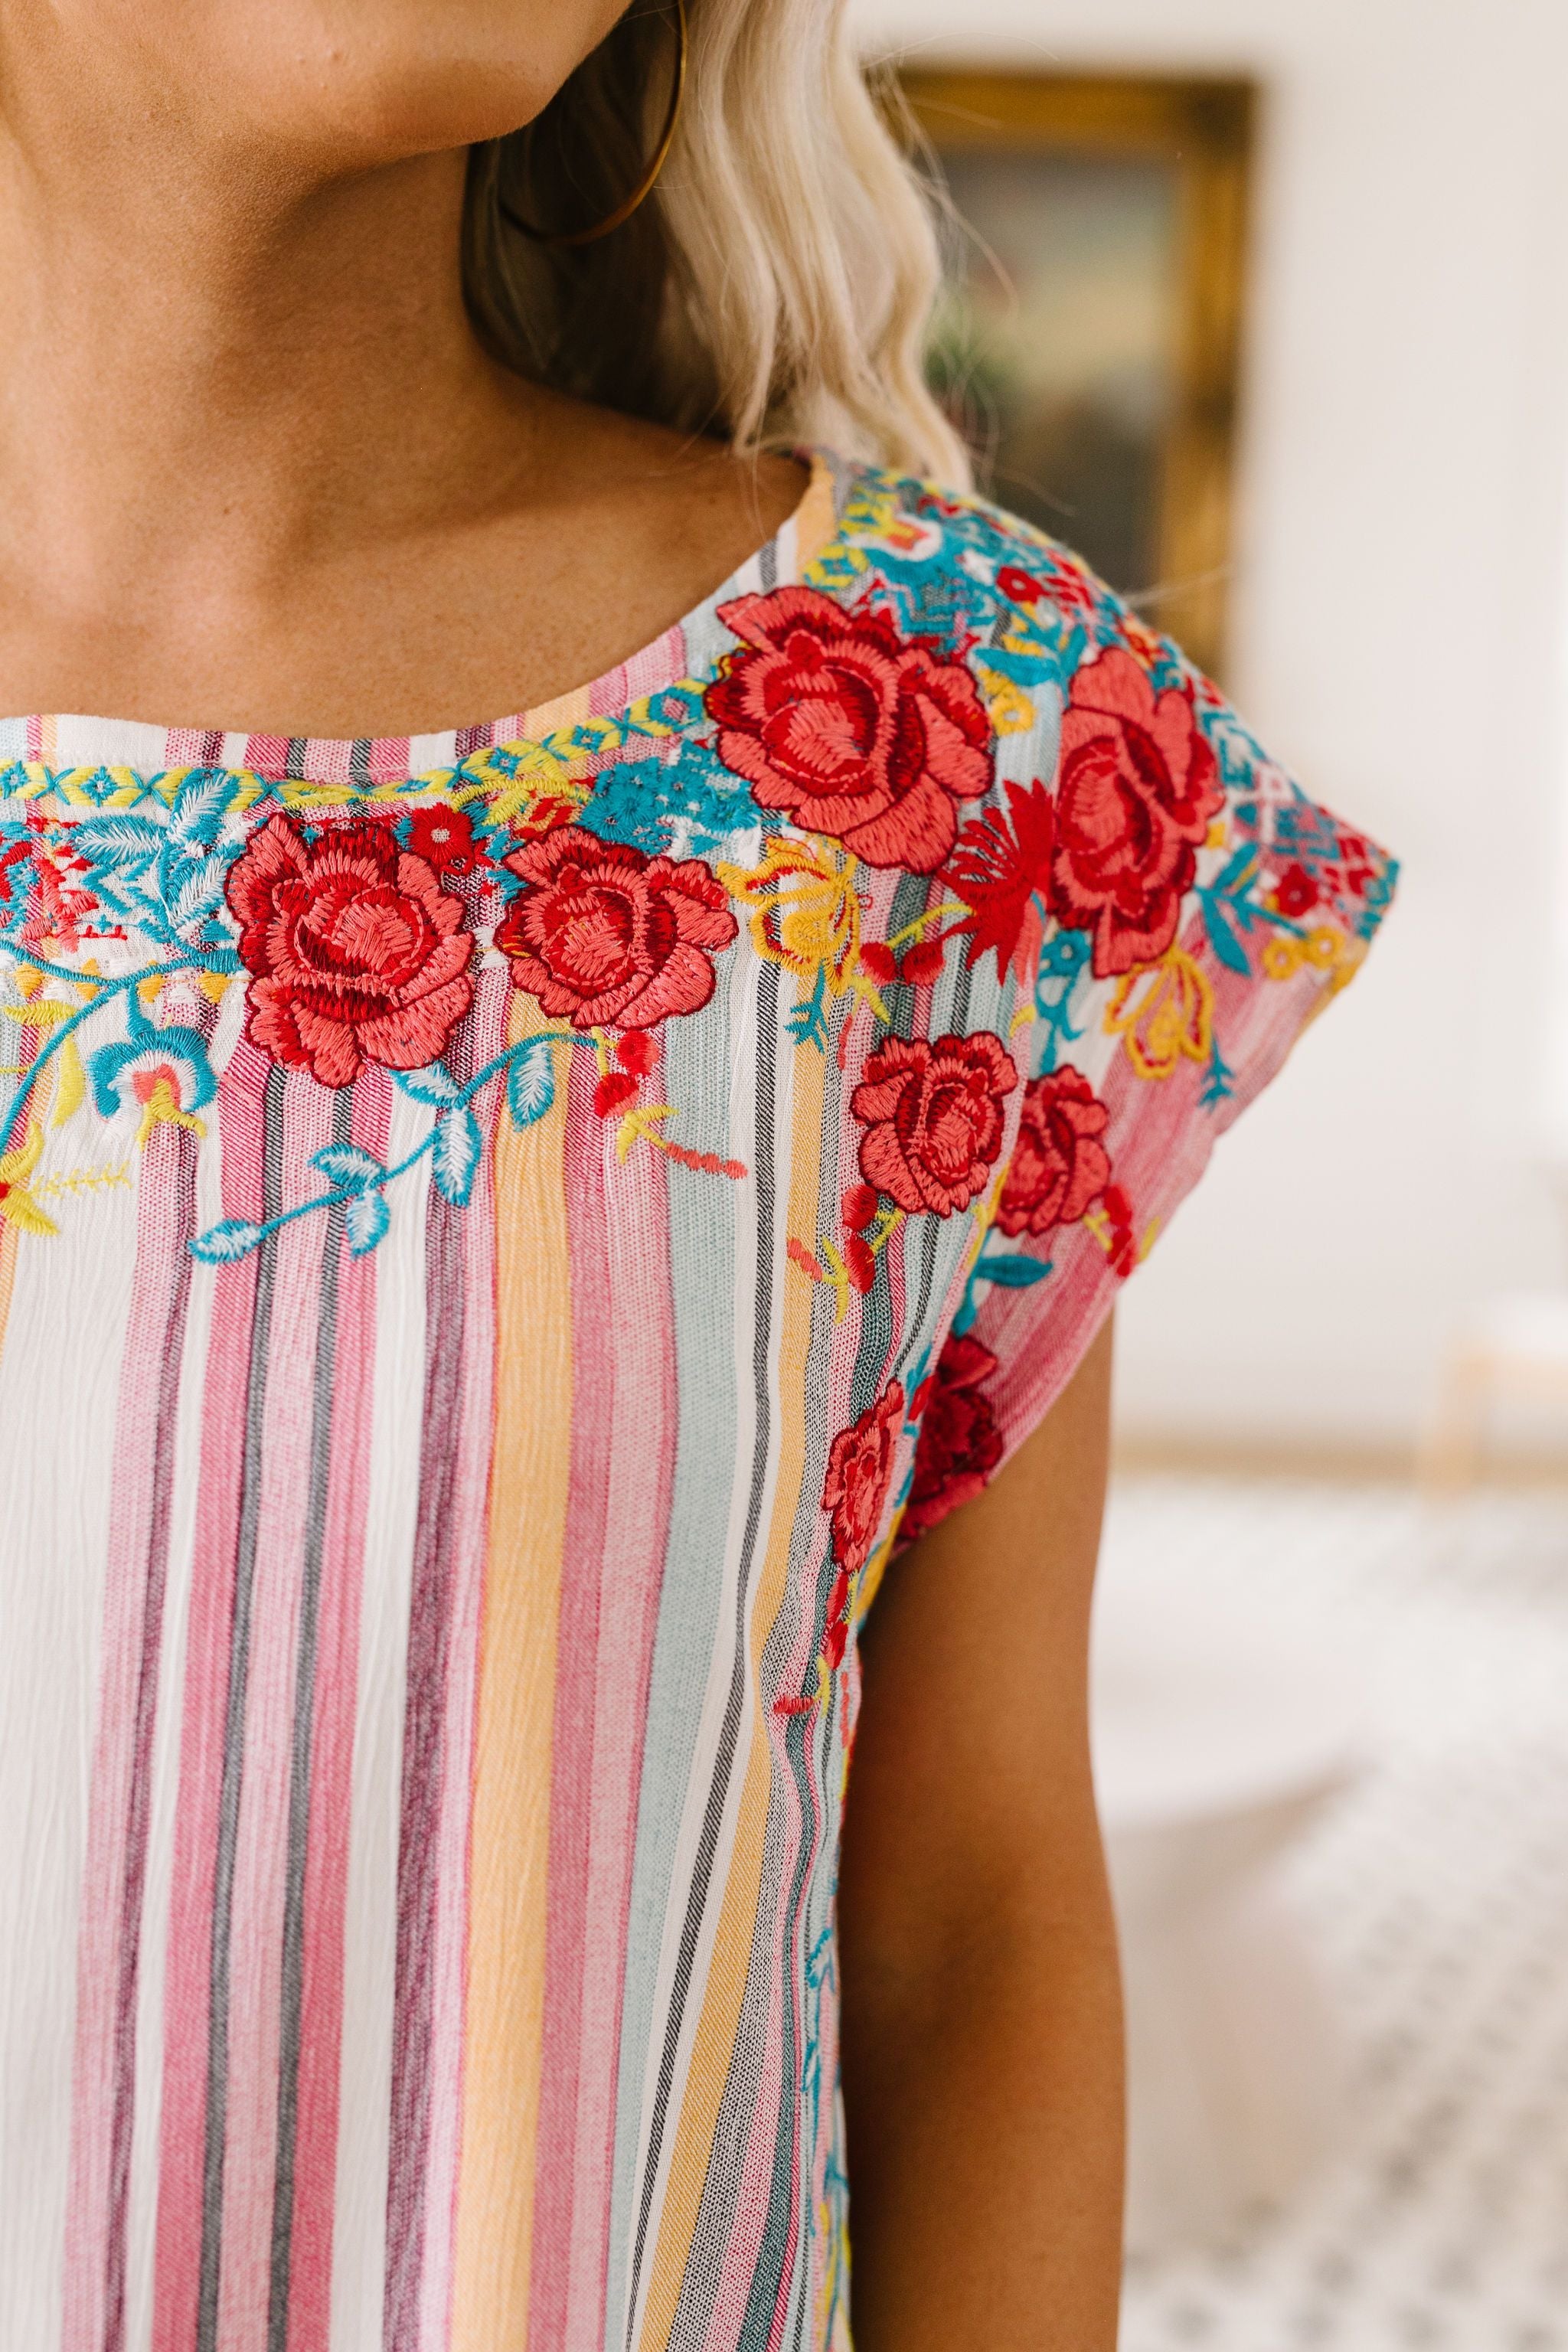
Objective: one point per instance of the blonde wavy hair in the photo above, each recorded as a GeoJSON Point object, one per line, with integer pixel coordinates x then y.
{"type": "Point", "coordinates": [775, 288]}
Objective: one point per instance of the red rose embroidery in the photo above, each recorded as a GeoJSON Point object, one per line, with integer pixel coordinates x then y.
{"type": "Point", "coordinates": [849, 728]}
{"type": "Point", "coordinates": [932, 1116]}
{"type": "Point", "coordinates": [1060, 1165]}
{"type": "Point", "coordinates": [1139, 783]}
{"type": "Point", "coordinates": [960, 1442]}
{"type": "Point", "coordinates": [603, 933]}
{"type": "Point", "coordinates": [357, 953]}
{"type": "Point", "coordinates": [859, 1473]}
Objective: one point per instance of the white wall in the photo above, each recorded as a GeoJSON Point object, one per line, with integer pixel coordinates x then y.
{"type": "Point", "coordinates": [1399, 633]}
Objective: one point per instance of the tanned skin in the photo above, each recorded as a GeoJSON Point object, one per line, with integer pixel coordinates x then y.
{"type": "Point", "coordinates": [256, 474]}
{"type": "Point", "coordinates": [981, 2012]}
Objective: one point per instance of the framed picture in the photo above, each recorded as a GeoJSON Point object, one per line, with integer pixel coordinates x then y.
{"type": "Point", "coordinates": [1091, 341]}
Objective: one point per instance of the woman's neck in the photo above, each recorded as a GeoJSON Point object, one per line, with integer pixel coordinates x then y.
{"type": "Point", "coordinates": [189, 341]}
{"type": "Point", "coordinates": [257, 470]}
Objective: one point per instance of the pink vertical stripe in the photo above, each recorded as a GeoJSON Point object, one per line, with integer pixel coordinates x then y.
{"type": "Point", "coordinates": [187, 1984]}
{"type": "Point", "coordinates": [266, 754]}
{"type": "Point", "coordinates": [261, 1851]}
{"type": "Point", "coordinates": [438, 1754]}
{"type": "Point", "coordinates": [387, 757]}
{"type": "Point", "coordinates": [329, 758]}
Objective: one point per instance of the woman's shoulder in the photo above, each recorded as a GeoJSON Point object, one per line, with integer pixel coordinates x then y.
{"type": "Point", "coordinates": [916, 532]}
{"type": "Point", "coordinates": [1029, 622]}
{"type": "Point", "coordinates": [938, 687]}
{"type": "Point", "coordinates": [952, 649]}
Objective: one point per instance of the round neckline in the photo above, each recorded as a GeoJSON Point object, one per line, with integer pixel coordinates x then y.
{"type": "Point", "coordinates": [68, 741]}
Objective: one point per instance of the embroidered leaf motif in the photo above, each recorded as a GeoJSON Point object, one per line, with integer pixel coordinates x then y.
{"type": "Point", "coordinates": [1238, 870]}
{"type": "Point", "coordinates": [43, 1012]}
{"type": "Point", "coordinates": [346, 1165]}
{"type": "Point", "coordinates": [530, 1082]}
{"type": "Point", "coordinates": [200, 804]}
{"type": "Point", "coordinates": [20, 1208]}
{"type": "Point", "coordinates": [456, 1156]}
{"type": "Point", "coordinates": [1011, 1269]}
{"type": "Point", "coordinates": [71, 1083]}
{"type": "Point", "coordinates": [365, 1221]}
{"type": "Point", "coordinates": [116, 840]}
{"type": "Point", "coordinates": [197, 893]}
{"type": "Point", "coordinates": [122, 851]}
{"type": "Point", "coordinates": [434, 1084]}
{"type": "Point", "coordinates": [1224, 937]}
{"type": "Point", "coordinates": [221, 1244]}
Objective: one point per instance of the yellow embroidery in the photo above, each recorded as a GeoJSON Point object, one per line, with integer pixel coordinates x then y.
{"type": "Point", "coordinates": [1012, 712]}
{"type": "Point", "coordinates": [1163, 1013]}
{"type": "Point", "coordinates": [18, 1205]}
{"type": "Point", "coordinates": [805, 914]}
{"type": "Point", "coordinates": [161, 1107]}
{"type": "Point", "coordinates": [70, 1084]}
{"type": "Point", "coordinates": [1323, 948]}
{"type": "Point", "coordinates": [39, 1013]}
{"type": "Point", "coordinates": [76, 1181]}
{"type": "Point", "coordinates": [828, 1265]}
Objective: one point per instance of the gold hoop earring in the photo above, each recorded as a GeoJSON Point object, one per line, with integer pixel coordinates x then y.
{"type": "Point", "coordinates": [628, 205]}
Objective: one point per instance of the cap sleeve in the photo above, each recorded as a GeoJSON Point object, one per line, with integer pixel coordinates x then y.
{"type": "Point", "coordinates": [1196, 910]}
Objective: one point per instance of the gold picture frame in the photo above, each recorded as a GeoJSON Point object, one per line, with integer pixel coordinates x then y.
{"type": "Point", "coordinates": [1200, 132]}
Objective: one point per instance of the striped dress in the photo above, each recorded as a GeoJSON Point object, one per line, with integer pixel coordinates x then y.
{"type": "Point", "coordinates": [501, 1234]}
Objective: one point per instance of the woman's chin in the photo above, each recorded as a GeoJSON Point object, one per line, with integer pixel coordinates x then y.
{"type": "Point", "coordinates": [373, 79]}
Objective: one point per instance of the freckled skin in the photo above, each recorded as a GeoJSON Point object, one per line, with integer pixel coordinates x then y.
{"type": "Point", "coordinates": [360, 523]}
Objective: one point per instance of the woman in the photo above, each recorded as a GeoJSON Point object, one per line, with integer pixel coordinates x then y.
{"type": "Point", "coordinates": [506, 1227]}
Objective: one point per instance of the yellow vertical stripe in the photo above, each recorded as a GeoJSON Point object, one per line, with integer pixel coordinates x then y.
{"type": "Point", "coordinates": [511, 1849]}
{"type": "Point", "coordinates": [721, 2017]}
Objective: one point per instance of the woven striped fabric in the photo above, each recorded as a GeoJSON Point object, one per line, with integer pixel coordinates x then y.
{"type": "Point", "coordinates": [498, 1234]}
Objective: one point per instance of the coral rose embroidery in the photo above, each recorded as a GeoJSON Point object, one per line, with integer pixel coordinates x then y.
{"type": "Point", "coordinates": [1060, 1165]}
{"type": "Point", "coordinates": [932, 1114]}
{"type": "Point", "coordinates": [603, 933]}
{"type": "Point", "coordinates": [960, 1441]}
{"type": "Point", "coordinates": [1138, 785]}
{"type": "Point", "coordinates": [860, 1474]}
{"type": "Point", "coordinates": [849, 728]}
{"type": "Point", "coordinates": [356, 952]}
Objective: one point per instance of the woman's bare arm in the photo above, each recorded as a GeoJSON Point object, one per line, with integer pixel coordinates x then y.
{"type": "Point", "coordinates": [982, 2014]}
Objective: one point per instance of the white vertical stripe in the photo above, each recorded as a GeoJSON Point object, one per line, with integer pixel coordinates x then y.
{"type": "Point", "coordinates": [142, 2220]}
{"type": "Point", "coordinates": [70, 1309]}
{"type": "Point", "coordinates": [83, 743]}
{"type": "Point", "coordinates": [358, 2245]}
{"type": "Point", "coordinates": [428, 751]}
